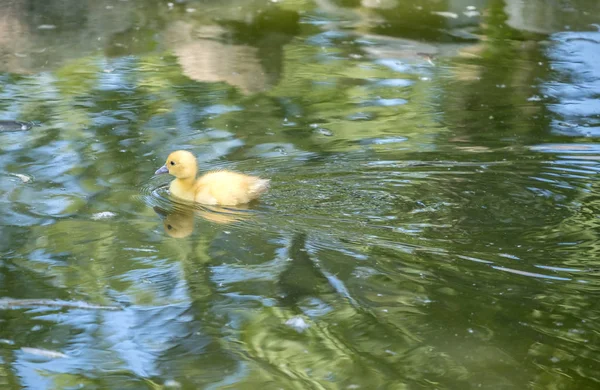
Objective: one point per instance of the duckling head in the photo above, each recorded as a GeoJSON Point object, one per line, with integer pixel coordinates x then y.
{"type": "Point", "coordinates": [181, 164]}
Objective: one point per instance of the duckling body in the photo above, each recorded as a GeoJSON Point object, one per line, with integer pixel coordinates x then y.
{"type": "Point", "coordinates": [222, 187]}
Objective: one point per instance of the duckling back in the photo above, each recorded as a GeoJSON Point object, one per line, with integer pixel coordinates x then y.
{"type": "Point", "coordinates": [228, 188]}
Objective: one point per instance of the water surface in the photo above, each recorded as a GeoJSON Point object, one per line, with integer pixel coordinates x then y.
{"type": "Point", "coordinates": [432, 222]}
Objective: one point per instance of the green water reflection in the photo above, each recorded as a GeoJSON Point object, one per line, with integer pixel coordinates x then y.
{"type": "Point", "coordinates": [432, 221]}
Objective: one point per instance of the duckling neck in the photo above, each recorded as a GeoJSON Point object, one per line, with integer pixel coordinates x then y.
{"type": "Point", "coordinates": [186, 183]}
{"type": "Point", "coordinates": [184, 188]}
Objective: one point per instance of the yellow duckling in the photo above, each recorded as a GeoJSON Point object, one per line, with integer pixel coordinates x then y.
{"type": "Point", "coordinates": [224, 188]}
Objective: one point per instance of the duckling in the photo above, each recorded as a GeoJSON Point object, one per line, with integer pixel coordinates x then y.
{"type": "Point", "coordinates": [223, 188]}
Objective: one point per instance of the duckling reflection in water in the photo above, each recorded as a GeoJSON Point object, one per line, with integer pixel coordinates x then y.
{"type": "Point", "coordinates": [224, 188]}
{"type": "Point", "coordinates": [180, 223]}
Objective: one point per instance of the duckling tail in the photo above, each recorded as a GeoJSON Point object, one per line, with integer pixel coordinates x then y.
{"type": "Point", "coordinates": [259, 186]}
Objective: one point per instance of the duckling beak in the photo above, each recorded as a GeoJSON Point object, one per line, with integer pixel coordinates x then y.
{"type": "Point", "coordinates": [162, 170]}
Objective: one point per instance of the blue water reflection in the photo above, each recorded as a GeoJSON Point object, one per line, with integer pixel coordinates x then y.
{"type": "Point", "coordinates": [575, 57]}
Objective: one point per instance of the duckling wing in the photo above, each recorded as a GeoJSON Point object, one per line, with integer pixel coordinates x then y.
{"type": "Point", "coordinates": [230, 188]}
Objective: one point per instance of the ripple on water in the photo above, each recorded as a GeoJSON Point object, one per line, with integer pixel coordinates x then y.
{"type": "Point", "coordinates": [394, 82]}
{"type": "Point", "coordinates": [381, 102]}
{"type": "Point", "coordinates": [382, 140]}
{"type": "Point", "coordinates": [155, 193]}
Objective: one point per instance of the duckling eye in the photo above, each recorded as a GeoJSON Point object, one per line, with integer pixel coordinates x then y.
{"type": "Point", "coordinates": [172, 163]}
{"type": "Point", "coordinates": [169, 227]}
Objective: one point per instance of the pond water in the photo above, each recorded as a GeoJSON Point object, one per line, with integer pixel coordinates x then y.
{"type": "Point", "coordinates": [433, 220]}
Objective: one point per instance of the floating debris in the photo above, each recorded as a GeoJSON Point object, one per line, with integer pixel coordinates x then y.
{"type": "Point", "coordinates": [103, 215]}
{"type": "Point", "coordinates": [6, 126]}
{"type": "Point", "coordinates": [24, 178]}
{"type": "Point", "coordinates": [44, 352]}
{"type": "Point", "coordinates": [324, 131]}
{"type": "Point", "coordinates": [428, 57]}
{"type": "Point", "coordinates": [172, 384]}
{"type": "Point", "coordinates": [450, 15]}
{"type": "Point", "coordinates": [471, 14]}
{"type": "Point", "coordinates": [9, 303]}
{"type": "Point", "coordinates": [298, 324]}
